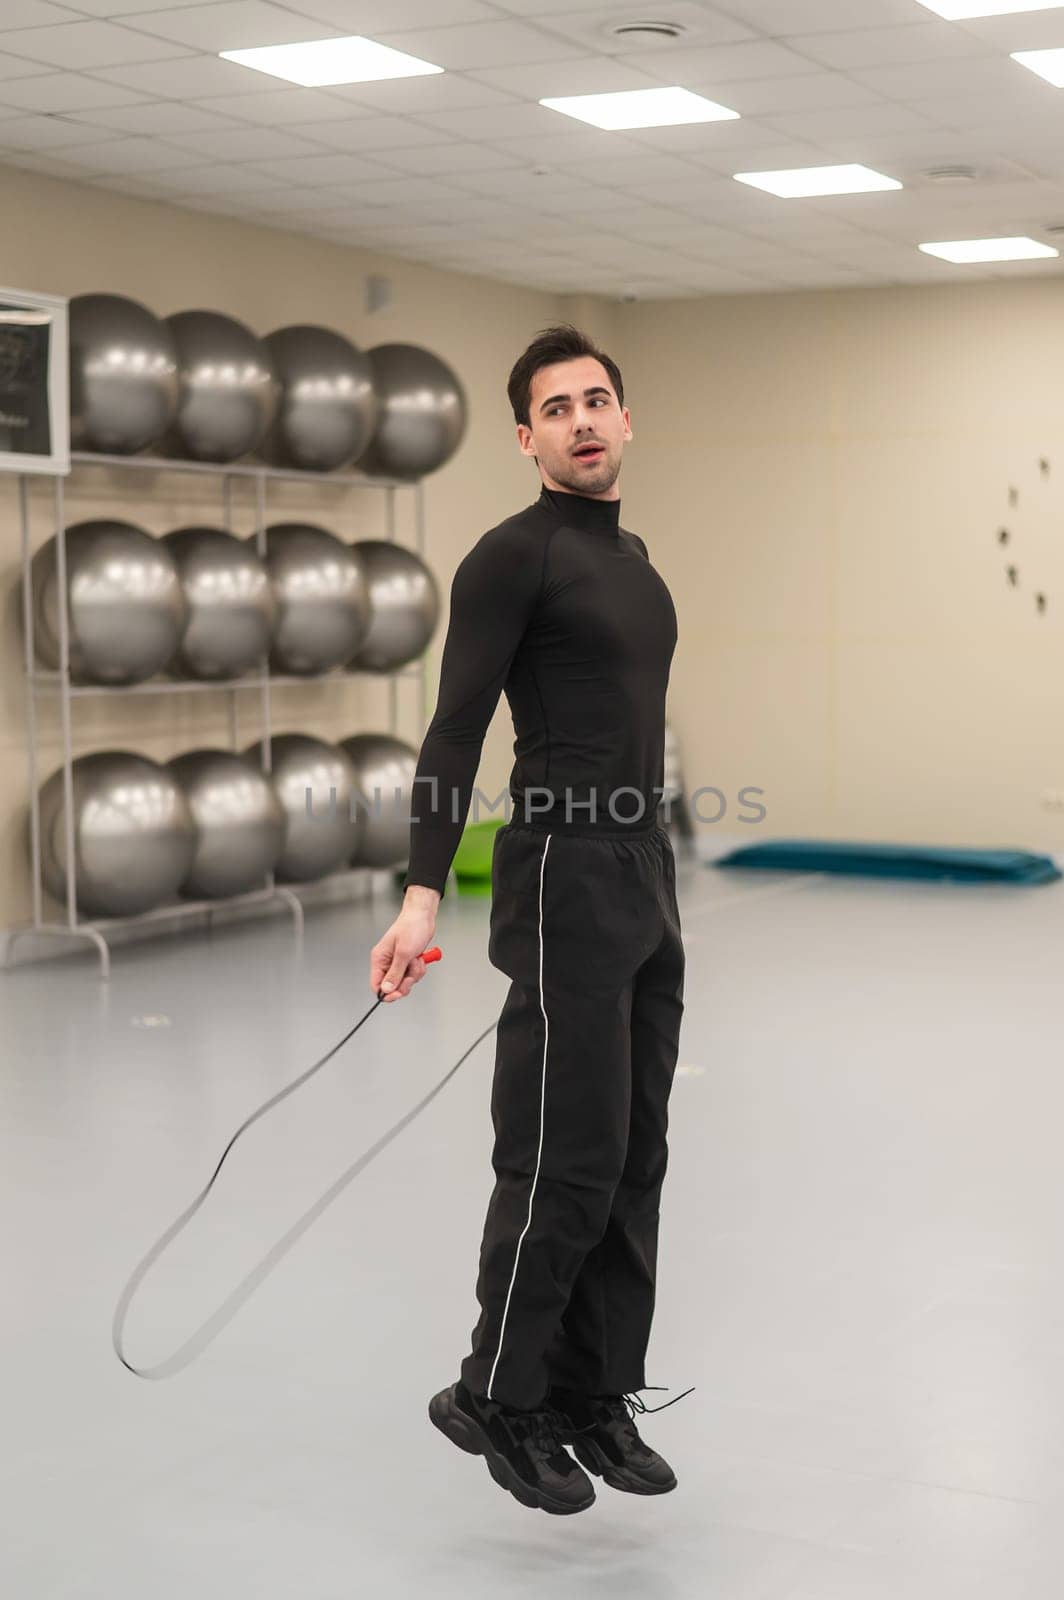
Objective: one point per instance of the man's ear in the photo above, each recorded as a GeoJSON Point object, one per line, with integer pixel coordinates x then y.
{"type": "Point", "coordinates": [524, 440]}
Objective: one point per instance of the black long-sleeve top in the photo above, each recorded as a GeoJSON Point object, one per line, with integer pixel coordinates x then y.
{"type": "Point", "coordinates": [560, 608]}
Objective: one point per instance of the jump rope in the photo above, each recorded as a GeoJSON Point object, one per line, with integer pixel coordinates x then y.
{"type": "Point", "coordinates": [204, 1335]}
{"type": "Point", "coordinates": [208, 1331]}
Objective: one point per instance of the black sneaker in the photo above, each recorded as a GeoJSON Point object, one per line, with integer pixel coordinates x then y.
{"type": "Point", "coordinates": [606, 1440]}
{"type": "Point", "coordinates": [523, 1449]}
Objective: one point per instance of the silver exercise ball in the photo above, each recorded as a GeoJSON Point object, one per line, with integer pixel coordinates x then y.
{"type": "Point", "coordinates": [328, 407]}
{"type": "Point", "coordinates": [404, 601]}
{"type": "Point", "coordinates": [384, 783]}
{"type": "Point", "coordinates": [228, 390]}
{"type": "Point", "coordinates": [423, 412]}
{"type": "Point", "coordinates": [323, 602]}
{"type": "Point", "coordinates": [231, 603]}
{"type": "Point", "coordinates": [126, 605]}
{"type": "Point", "coordinates": [123, 375]}
{"type": "Point", "coordinates": [318, 837]}
{"type": "Point", "coordinates": [239, 822]}
{"type": "Point", "coordinates": [134, 836]}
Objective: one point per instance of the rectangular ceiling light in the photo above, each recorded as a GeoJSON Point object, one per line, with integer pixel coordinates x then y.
{"type": "Point", "coordinates": [1049, 64]}
{"type": "Point", "coordinates": [961, 10]}
{"type": "Point", "coordinates": [963, 251]}
{"type": "Point", "coordinates": [641, 108]}
{"type": "Point", "coordinates": [795, 182]}
{"type": "Point", "coordinates": [324, 61]}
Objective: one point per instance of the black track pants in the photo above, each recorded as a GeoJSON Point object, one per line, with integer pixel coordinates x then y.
{"type": "Point", "coordinates": [586, 927]}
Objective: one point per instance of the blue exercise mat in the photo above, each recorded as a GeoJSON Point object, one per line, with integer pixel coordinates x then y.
{"type": "Point", "coordinates": [895, 861]}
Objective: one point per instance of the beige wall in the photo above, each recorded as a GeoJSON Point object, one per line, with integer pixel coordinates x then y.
{"type": "Point", "coordinates": [819, 476]}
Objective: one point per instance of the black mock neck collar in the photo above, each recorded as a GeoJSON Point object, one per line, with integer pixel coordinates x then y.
{"type": "Point", "coordinates": [580, 510]}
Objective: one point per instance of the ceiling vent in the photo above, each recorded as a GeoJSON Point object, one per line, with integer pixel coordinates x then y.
{"type": "Point", "coordinates": [954, 175]}
{"type": "Point", "coordinates": [642, 31]}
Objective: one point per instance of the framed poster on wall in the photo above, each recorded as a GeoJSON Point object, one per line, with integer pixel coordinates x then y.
{"type": "Point", "coordinates": [34, 409]}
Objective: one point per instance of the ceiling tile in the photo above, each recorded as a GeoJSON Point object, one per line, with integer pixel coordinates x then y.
{"type": "Point", "coordinates": [189, 78]}
{"type": "Point", "coordinates": [240, 143]}
{"type": "Point", "coordinates": [39, 133]}
{"type": "Point", "coordinates": [369, 133]}
{"type": "Point", "coordinates": [519, 183]}
{"type": "Point", "coordinates": [126, 155]}
{"type": "Point", "coordinates": [33, 14]}
{"type": "Point", "coordinates": [440, 169]}
{"type": "Point", "coordinates": [926, 80]}
{"type": "Point", "coordinates": [13, 67]}
{"type": "Point", "coordinates": [576, 201]}
{"type": "Point", "coordinates": [442, 91]}
{"type": "Point", "coordinates": [431, 199]}
{"type": "Point", "coordinates": [779, 18]}
{"type": "Point", "coordinates": [83, 46]}
{"type": "Point", "coordinates": [454, 158]}
{"type": "Point", "coordinates": [64, 91]}
{"type": "Point", "coordinates": [884, 47]}
{"type": "Point", "coordinates": [1030, 30]}
{"type": "Point", "coordinates": [643, 220]}
{"type": "Point", "coordinates": [813, 91]}
{"type": "Point", "coordinates": [126, 8]}
{"type": "Point", "coordinates": [238, 181]}
{"type": "Point", "coordinates": [584, 75]}
{"type": "Point", "coordinates": [513, 120]}
{"type": "Point", "coordinates": [766, 158]}
{"type": "Point", "coordinates": [282, 107]}
{"type": "Point", "coordinates": [620, 171]}
{"type": "Point", "coordinates": [482, 44]}
{"type": "Point", "coordinates": [831, 127]}
{"type": "Point", "coordinates": [723, 64]}
{"type": "Point", "coordinates": [314, 171]}
{"type": "Point", "coordinates": [155, 118]}
{"type": "Point", "coordinates": [228, 25]}
{"type": "Point", "coordinates": [1006, 109]}
{"type": "Point", "coordinates": [370, 16]}
{"type": "Point", "coordinates": [581, 145]}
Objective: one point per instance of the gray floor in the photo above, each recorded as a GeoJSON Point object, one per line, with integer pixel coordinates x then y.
{"type": "Point", "coordinates": [860, 1266]}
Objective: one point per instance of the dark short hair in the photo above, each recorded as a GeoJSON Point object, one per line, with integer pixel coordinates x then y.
{"type": "Point", "coordinates": [561, 343]}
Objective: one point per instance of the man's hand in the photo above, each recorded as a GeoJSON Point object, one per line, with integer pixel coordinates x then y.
{"type": "Point", "coordinates": [395, 963]}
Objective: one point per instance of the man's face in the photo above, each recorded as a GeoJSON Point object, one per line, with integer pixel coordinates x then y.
{"type": "Point", "coordinates": [578, 430]}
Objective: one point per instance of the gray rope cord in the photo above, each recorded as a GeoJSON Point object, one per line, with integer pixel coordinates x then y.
{"type": "Point", "coordinates": [209, 1330]}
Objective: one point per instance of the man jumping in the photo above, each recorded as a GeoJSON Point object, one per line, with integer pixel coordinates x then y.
{"type": "Point", "coordinates": [559, 608]}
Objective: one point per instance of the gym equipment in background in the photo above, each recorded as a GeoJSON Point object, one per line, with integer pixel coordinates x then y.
{"type": "Point", "coordinates": [239, 821]}
{"type": "Point", "coordinates": [328, 406]}
{"type": "Point", "coordinates": [895, 861]}
{"type": "Point", "coordinates": [384, 782]}
{"type": "Point", "coordinates": [474, 857]}
{"type": "Point", "coordinates": [423, 412]}
{"type": "Point", "coordinates": [231, 603]}
{"type": "Point", "coordinates": [134, 835]}
{"type": "Point", "coordinates": [322, 596]}
{"type": "Point", "coordinates": [126, 606]}
{"type": "Point", "coordinates": [404, 605]}
{"type": "Point", "coordinates": [123, 375]}
{"type": "Point", "coordinates": [319, 833]}
{"type": "Point", "coordinates": [228, 390]}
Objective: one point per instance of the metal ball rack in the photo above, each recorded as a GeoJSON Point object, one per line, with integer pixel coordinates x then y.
{"type": "Point", "coordinates": [58, 683]}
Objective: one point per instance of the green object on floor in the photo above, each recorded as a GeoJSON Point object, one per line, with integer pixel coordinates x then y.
{"type": "Point", "coordinates": [895, 861]}
{"type": "Point", "coordinates": [472, 859]}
